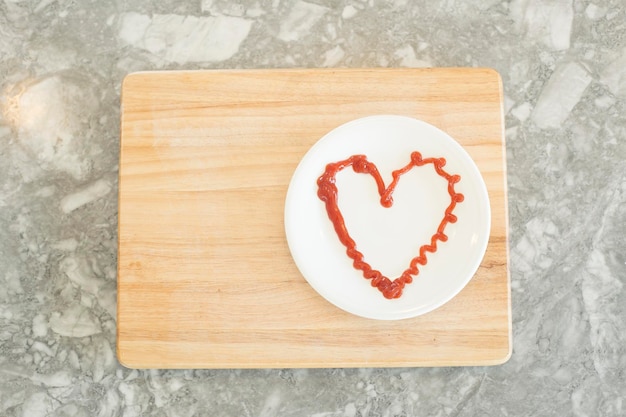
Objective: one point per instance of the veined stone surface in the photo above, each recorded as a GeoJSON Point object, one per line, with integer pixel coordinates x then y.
{"type": "Point", "coordinates": [564, 73]}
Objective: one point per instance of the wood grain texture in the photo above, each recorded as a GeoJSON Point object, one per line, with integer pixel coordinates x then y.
{"type": "Point", "coordinates": [205, 277]}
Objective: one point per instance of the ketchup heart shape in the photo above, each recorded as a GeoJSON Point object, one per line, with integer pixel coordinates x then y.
{"type": "Point", "coordinates": [327, 192]}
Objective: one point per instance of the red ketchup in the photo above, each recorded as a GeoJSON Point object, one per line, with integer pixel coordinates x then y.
{"type": "Point", "coordinates": [327, 192]}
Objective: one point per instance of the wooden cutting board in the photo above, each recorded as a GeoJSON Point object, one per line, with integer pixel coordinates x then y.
{"type": "Point", "coordinates": [206, 279]}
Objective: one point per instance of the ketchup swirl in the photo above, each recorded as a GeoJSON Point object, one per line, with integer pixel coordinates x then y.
{"type": "Point", "coordinates": [327, 192]}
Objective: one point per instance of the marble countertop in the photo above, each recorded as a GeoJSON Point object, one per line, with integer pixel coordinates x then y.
{"type": "Point", "coordinates": [563, 64]}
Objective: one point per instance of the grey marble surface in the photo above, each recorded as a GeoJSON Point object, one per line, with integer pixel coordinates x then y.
{"type": "Point", "coordinates": [563, 63]}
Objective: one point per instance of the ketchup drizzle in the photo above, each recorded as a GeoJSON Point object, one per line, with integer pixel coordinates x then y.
{"type": "Point", "coordinates": [327, 192]}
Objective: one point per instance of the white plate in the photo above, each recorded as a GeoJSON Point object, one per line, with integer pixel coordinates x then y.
{"type": "Point", "coordinates": [388, 237]}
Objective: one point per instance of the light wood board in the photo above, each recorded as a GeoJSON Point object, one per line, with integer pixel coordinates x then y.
{"type": "Point", "coordinates": [206, 279]}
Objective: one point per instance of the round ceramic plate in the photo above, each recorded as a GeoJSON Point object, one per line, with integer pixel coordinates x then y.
{"type": "Point", "coordinates": [388, 237]}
